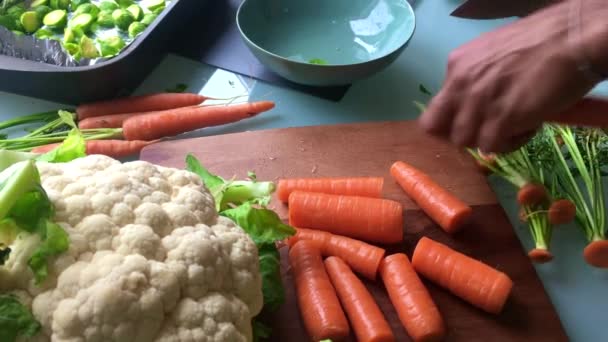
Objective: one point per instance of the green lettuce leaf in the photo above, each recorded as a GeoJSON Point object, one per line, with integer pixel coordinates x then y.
{"type": "Point", "coordinates": [16, 320]}
{"type": "Point", "coordinates": [270, 268]}
{"type": "Point", "coordinates": [263, 225]}
{"type": "Point", "coordinates": [73, 147]}
{"type": "Point", "coordinates": [55, 241]}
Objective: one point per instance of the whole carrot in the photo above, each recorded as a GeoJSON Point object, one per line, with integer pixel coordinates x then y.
{"type": "Point", "coordinates": [117, 120]}
{"type": "Point", "coordinates": [318, 302]}
{"type": "Point", "coordinates": [366, 318]}
{"type": "Point", "coordinates": [438, 203]}
{"type": "Point", "coordinates": [140, 103]}
{"type": "Point", "coordinates": [467, 278]}
{"type": "Point", "coordinates": [364, 218]}
{"type": "Point", "coordinates": [362, 257]}
{"type": "Point", "coordinates": [110, 148]}
{"type": "Point", "coordinates": [355, 186]}
{"type": "Point", "coordinates": [173, 122]}
{"type": "Point", "coordinates": [410, 298]}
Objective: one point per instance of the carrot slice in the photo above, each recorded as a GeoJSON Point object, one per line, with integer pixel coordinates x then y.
{"type": "Point", "coordinates": [139, 103]}
{"type": "Point", "coordinates": [415, 307]}
{"type": "Point", "coordinates": [362, 257]}
{"type": "Point", "coordinates": [364, 218]}
{"type": "Point", "coordinates": [467, 278]}
{"type": "Point", "coordinates": [368, 322]}
{"type": "Point", "coordinates": [439, 204]}
{"type": "Point", "coordinates": [352, 186]}
{"type": "Point", "coordinates": [596, 253]}
{"type": "Point", "coordinates": [318, 302]}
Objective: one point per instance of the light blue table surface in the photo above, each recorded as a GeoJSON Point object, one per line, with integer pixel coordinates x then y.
{"type": "Point", "coordinates": [577, 290]}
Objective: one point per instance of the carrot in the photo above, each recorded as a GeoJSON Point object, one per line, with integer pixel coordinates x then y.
{"type": "Point", "coordinates": [596, 253]}
{"type": "Point", "coordinates": [177, 121]}
{"type": "Point", "coordinates": [410, 298]}
{"type": "Point", "coordinates": [140, 103]}
{"type": "Point", "coordinates": [110, 148]}
{"type": "Point", "coordinates": [117, 120]}
{"type": "Point", "coordinates": [467, 278]}
{"type": "Point", "coordinates": [561, 211]}
{"type": "Point", "coordinates": [438, 203]}
{"type": "Point", "coordinates": [531, 194]}
{"type": "Point", "coordinates": [540, 256]}
{"type": "Point", "coordinates": [366, 319]}
{"type": "Point", "coordinates": [364, 218]}
{"type": "Point", "coordinates": [362, 257]}
{"type": "Point", "coordinates": [352, 186]}
{"type": "Point", "coordinates": [318, 303]}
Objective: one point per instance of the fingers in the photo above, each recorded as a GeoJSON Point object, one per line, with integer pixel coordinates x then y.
{"type": "Point", "coordinates": [437, 119]}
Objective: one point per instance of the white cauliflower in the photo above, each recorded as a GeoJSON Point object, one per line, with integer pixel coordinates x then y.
{"type": "Point", "coordinates": [149, 259]}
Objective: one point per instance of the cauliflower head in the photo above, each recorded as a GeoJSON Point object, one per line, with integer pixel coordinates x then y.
{"type": "Point", "coordinates": [149, 259]}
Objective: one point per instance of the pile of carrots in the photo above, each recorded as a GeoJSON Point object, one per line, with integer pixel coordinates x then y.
{"type": "Point", "coordinates": [341, 223]}
{"type": "Point", "coordinates": [144, 119]}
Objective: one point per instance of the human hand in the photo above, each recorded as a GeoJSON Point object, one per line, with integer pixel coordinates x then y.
{"type": "Point", "coordinates": [502, 86]}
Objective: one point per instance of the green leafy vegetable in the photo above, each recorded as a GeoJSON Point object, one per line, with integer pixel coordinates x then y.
{"type": "Point", "coordinates": [16, 320]}
{"type": "Point", "coordinates": [261, 331]}
{"type": "Point", "coordinates": [317, 61]}
{"type": "Point", "coordinates": [55, 241]}
{"type": "Point", "coordinates": [73, 147]}
{"type": "Point", "coordinates": [263, 225]}
{"type": "Point", "coordinates": [270, 268]}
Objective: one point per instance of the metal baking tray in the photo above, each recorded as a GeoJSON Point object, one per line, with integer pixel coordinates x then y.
{"type": "Point", "coordinates": [118, 76]}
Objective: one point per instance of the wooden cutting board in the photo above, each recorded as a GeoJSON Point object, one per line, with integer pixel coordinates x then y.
{"type": "Point", "coordinates": [370, 149]}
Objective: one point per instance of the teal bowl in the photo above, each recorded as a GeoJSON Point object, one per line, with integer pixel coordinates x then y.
{"type": "Point", "coordinates": [326, 42]}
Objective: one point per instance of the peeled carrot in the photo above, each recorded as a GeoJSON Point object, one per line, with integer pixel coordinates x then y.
{"type": "Point", "coordinates": [438, 203]}
{"type": "Point", "coordinates": [362, 257]}
{"type": "Point", "coordinates": [467, 278]}
{"type": "Point", "coordinates": [140, 103]}
{"type": "Point", "coordinates": [562, 211]}
{"type": "Point", "coordinates": [531, 194]}
{"type": "Point", "coordinates": [540, 256]}
{"type": "Point", "coordinates": [110, 148]}
{"type": "Point", "coordinates": [364, 218]}
{"type": "Point", "coordinates": [596, 253]}
{"type": "Point", "coordinates": [352, 186]}
{"type": "Point", "coordinates": [412, 301]}
{"type": "Point", "coordinates": [177, 121]}
{"type": "Point", "coordinates": [319, 306]}
{"type": "Point", "coordinates": [366, 318]}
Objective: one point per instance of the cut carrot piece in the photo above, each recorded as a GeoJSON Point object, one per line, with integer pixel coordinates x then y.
{"type": "Point", "coordinates": [318, 302]}
{"type": "Point", "coordinates": [173, 122]}
{"type": "Point", "coordinates": [366, 318]}
{"type": "Point", "coordinates": [467, 278]}
{"type": "Point", "coordinates": [531, 194]}
{"type": "Point", "coordinates": [351, 186]}
{"type": "Point", "coordinates": [364, 218]}
{"type": "Point", "coordinates": [415, 307]}
{"type": "Point", "coordinates": [140, 103]}
{"type": "Point", "coordinates": [540, 256]}
{"type": "Point", "coordinates": [362, 257]}
{"type": "Point", "coordinates": [439, 204]}
{"type": "Point", "coordinates": [596, 253]}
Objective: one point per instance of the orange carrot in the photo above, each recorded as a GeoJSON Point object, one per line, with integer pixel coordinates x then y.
{"type": "Point", "coordinates": [117, 120]}
{"type": "Point", "coordinates": [438, 203]}
{"type": "Point", "coordinates": [110, 148]}
{"type": "Point", "coordinates": [540, 256]}
{"type": "Point", "coordinates": [531, 194]}
{"type": "Point", "coordinates": [140, 103]}
{"type": "Point", "coordinates": [596, 253]}
{"type": "Point", "coordinates": [561, 211]}
{"type": "Point", "coordinates": [352, 186]}
{"type": "Point", "coordinates": [364, 218]}
{"type": "Point", "coordinates": [467, 278]}
{"type": "Point", "coordinates": [366, 319]}
{"type": "Point", "coordinates": [412, 301]}
{"type": "Point", "coordinates": [318, 303]}
{"type": "Point", "coordinates": [173, 122]}
{"type": "Point", "coordinates": [362, 257]}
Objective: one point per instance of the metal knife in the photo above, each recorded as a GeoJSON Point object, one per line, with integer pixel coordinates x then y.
{"type": "Point", "coordinates": [498, 9]}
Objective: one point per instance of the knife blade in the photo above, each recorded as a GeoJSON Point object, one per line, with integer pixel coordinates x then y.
{"type": "Point", "coordinates": [488, 9]}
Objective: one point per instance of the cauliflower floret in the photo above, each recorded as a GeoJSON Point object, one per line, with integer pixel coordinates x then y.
{"type": "Point", "coordinates": [149, 259]}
